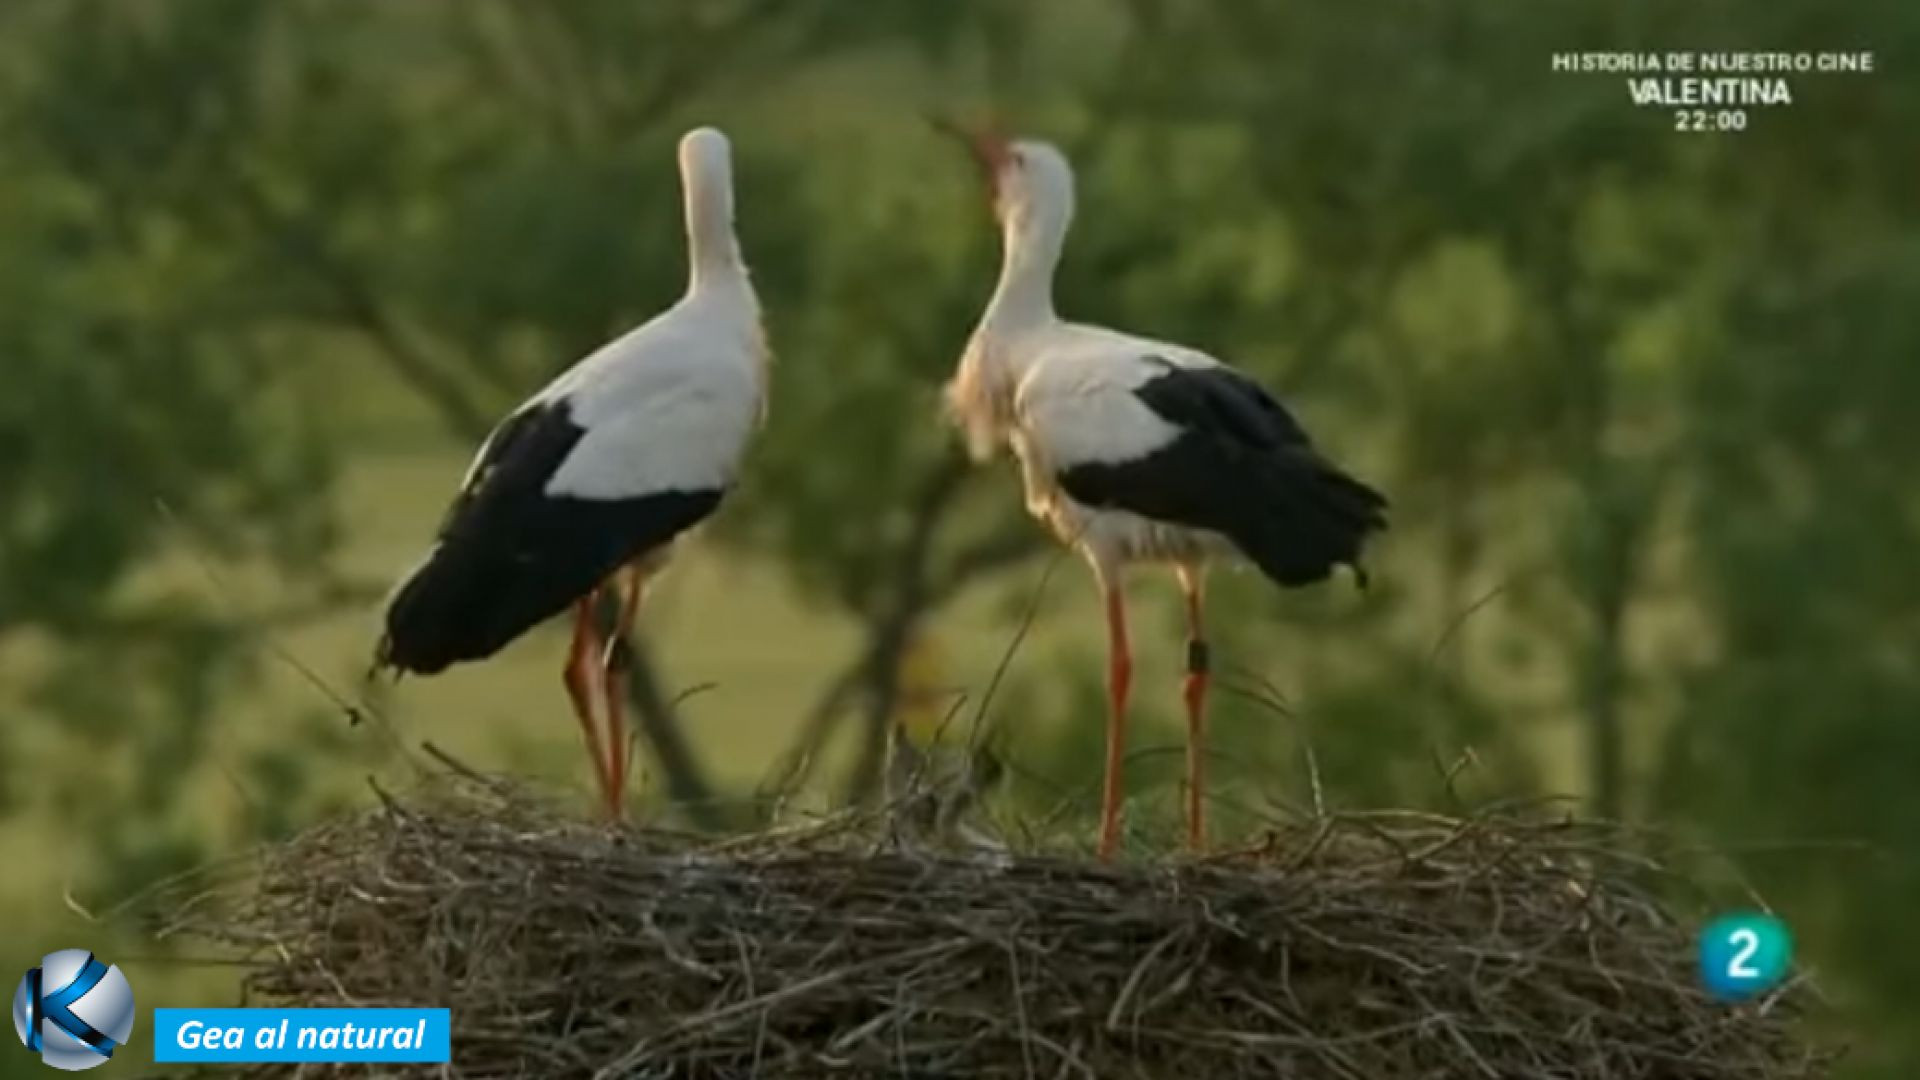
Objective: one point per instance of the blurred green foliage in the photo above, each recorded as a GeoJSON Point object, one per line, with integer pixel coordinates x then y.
{"type": "Point", "coordinates": [1643, 400]}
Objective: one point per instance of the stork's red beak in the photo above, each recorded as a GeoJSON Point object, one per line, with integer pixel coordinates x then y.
{"type": "Point", "coordinates": [990, 149]}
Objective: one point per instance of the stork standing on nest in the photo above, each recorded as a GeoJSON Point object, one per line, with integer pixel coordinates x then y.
{"type": "Point", "coordinates": [585, 486]}
{"type": "Point", "coordinates": [1134, 450]}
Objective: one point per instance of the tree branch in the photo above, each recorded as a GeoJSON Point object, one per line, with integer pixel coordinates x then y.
{"type": "Point", "coordinates": [915, 588]}
{"type": "Point", "coordinates": [360, 307]}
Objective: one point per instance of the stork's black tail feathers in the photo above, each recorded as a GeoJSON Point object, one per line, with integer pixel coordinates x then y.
{"type": "Point", "coordinates": [468, 600]}
{"type": "Point", "coordinates": [441, 614]}
{"type": "Point", "coordinates": [1305, 517]}
{"type": "Point", "coordinates": [492, 577]}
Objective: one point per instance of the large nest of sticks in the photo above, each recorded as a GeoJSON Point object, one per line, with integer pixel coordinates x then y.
{"type": "Point", "coordinates": [1369, 947]}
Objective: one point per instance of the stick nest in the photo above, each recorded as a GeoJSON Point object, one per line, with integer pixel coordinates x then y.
{"type": "Point", "coordinates": [1369, 947]}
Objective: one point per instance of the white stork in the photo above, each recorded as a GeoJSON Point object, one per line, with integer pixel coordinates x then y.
{"type": "Point", "coordinates": [594, 476]}
{"type": "Point", "coordinates": [1135, 450]}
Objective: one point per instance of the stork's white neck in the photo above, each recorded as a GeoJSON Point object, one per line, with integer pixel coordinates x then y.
{"type": "Point", "coordinates": [1032, 233]}
{"type": "Point", "coordinates": [713, 251]}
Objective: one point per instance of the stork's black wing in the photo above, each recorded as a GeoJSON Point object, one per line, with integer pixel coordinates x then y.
{"type": "Point", "coordinates": [1223, 401]}
{"type": "Point", "coordinates": [1241, 466]}
{"type": "Point", "coordinates": [511, 555]}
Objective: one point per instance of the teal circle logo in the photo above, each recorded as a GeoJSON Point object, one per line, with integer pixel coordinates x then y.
{"type": "Point", "coordinates": [1744, 954]}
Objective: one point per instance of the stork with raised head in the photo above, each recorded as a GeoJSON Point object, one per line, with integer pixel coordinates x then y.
{"type": "Point", "coordinates": [585, 486]}
{"type": "Point", "coordinates": [1135, 450]}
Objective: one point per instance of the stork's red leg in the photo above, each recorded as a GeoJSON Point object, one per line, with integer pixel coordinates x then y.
{"type": "Point", "coordinates": [617, 663]}
{"type": "Point", "coordinates": [1119, 679]}
{"type": "Point", "coordinates": [578, 675]}
{"type": "Point", "coordinates": [1194, 690]}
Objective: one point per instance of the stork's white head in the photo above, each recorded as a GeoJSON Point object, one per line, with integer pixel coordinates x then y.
{"type": "Point", "coordinates": [1031, 180]}
{"type": "Point", "coordinates": [1032, 187]}
{"type": "Point", "coordinates": [706, 158]}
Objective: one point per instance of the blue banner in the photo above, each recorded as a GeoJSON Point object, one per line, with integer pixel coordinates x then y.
{"type": "Point", "coordinates": [321, 1035]}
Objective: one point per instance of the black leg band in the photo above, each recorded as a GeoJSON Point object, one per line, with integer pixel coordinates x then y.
{"type": "Point", "coordinates": [1199, 658]}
